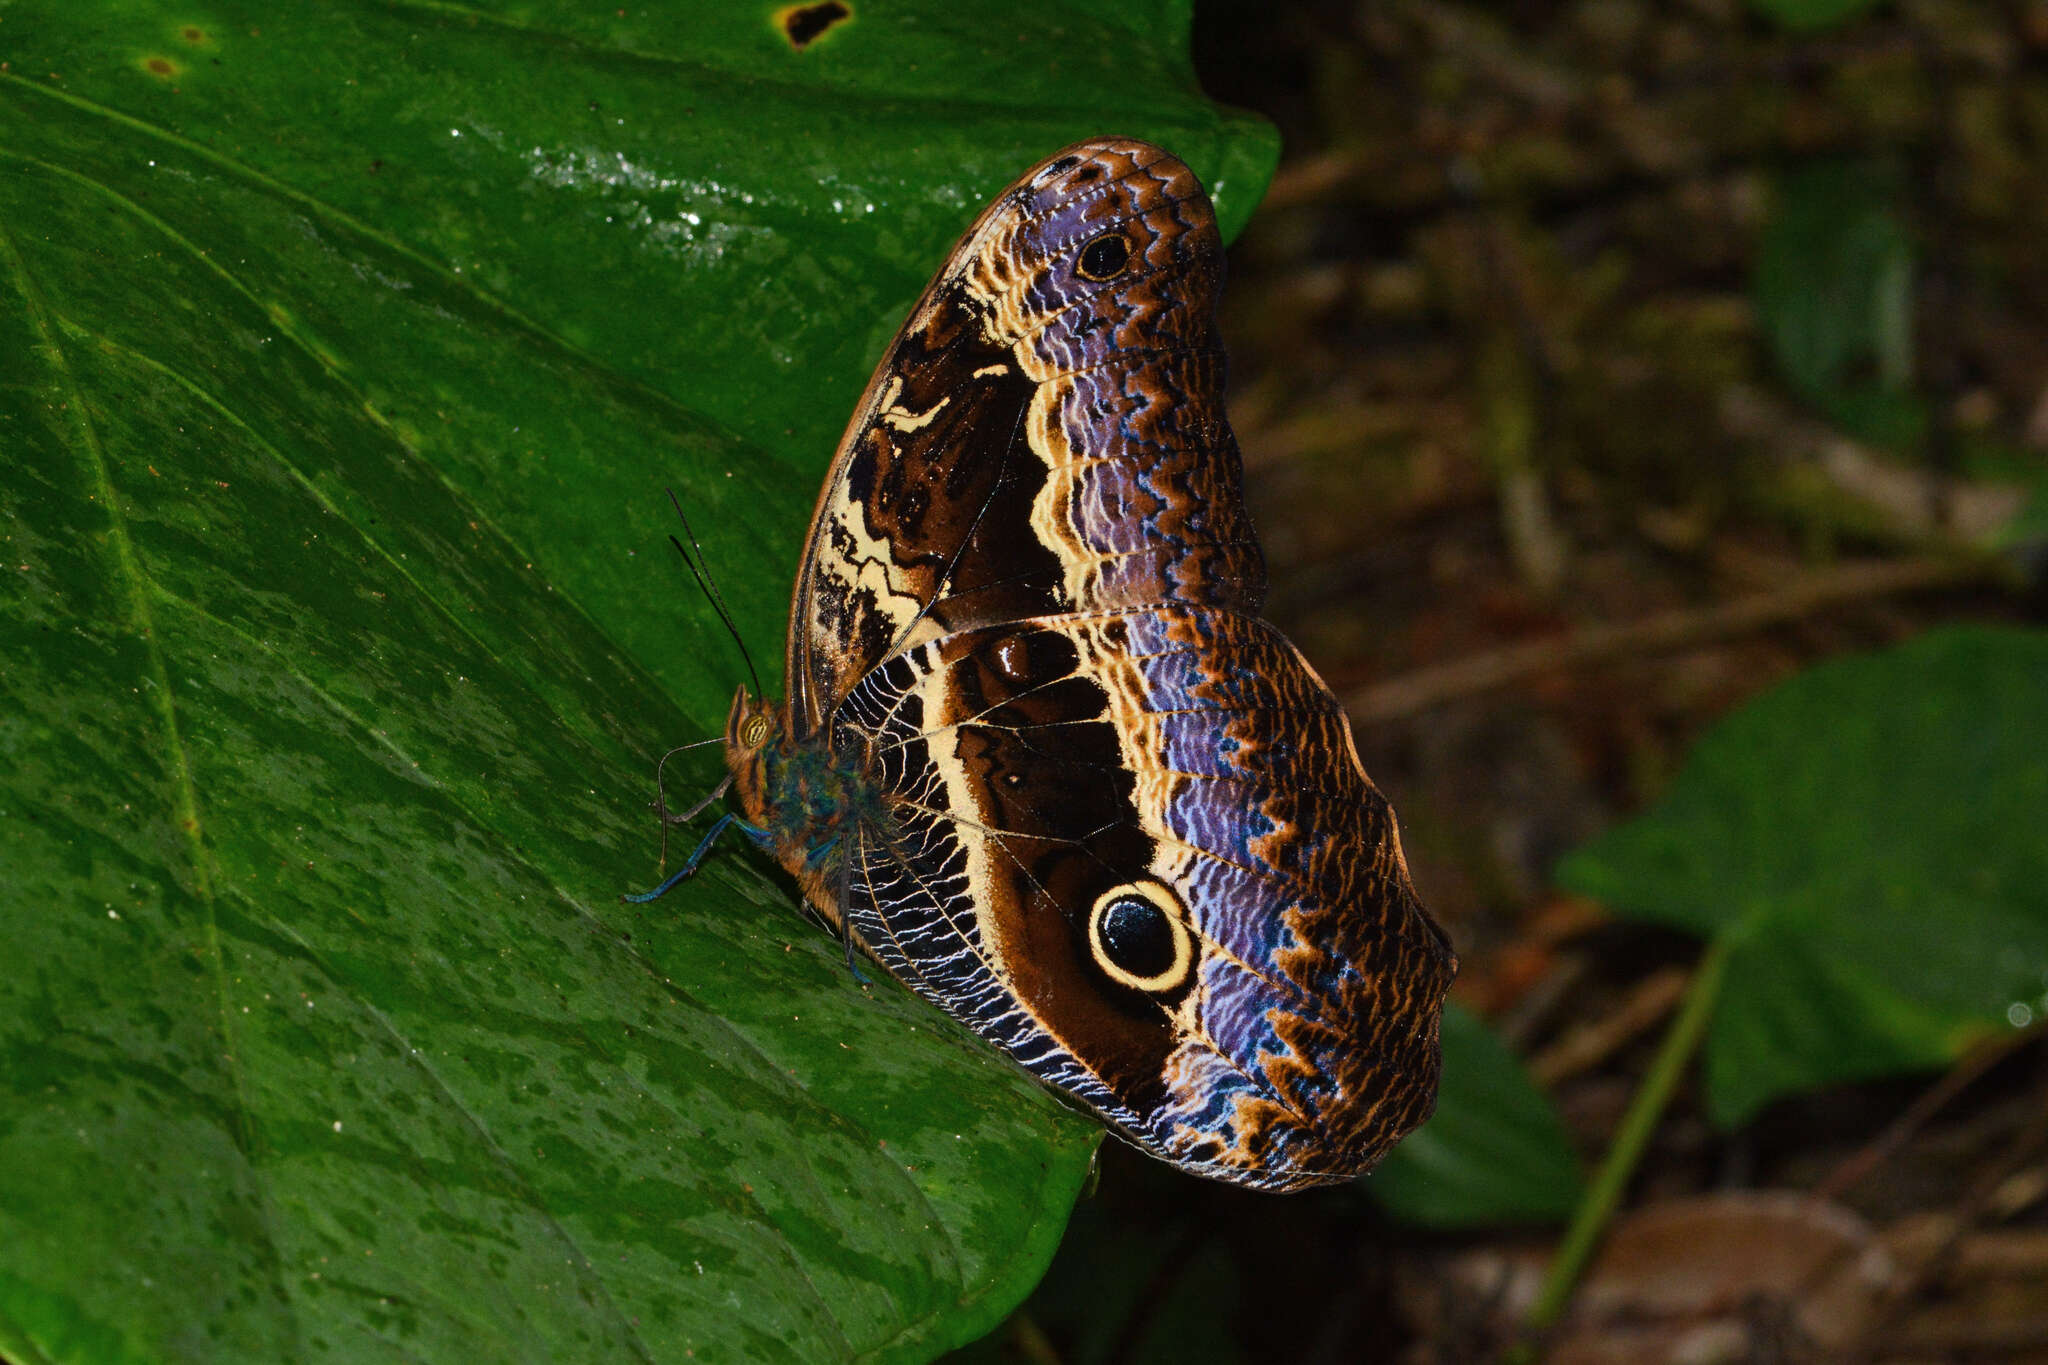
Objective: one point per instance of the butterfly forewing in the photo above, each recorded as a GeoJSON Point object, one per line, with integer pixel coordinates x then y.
{"type": "Point", "coordinates": [1035, 440]}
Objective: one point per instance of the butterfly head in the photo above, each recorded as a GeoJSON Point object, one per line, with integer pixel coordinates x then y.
{"type": "Point", "coordinates": [752, 725]}
{"type": "Point", "coordinates": [754, 728]}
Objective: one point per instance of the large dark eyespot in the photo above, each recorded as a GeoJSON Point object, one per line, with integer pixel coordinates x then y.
{"type": "Point", "coordinates": [1104, 258]}
{"type": "Point", "coordinates": [1138, 933]}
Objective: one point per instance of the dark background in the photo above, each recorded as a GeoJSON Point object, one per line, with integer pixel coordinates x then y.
{"type": "Point", "coordinates": [1510, 396]}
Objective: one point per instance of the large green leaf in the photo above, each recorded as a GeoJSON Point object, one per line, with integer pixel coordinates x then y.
{"type": "Point", "coordinates": [670, 194]}
{"type": "Point", "coordinates": [1868, 837]}
{"type": "Point", "coordinates": [344, 355]}
{"type": "Point", "coordinates": [1494, 1152]}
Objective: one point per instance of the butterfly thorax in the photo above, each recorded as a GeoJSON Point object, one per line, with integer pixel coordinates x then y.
{"type": "Point", "coordinates": [808, 801]}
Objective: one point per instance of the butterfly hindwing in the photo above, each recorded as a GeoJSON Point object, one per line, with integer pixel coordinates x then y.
{"type": "Point", "coordinates": [1185, 755]}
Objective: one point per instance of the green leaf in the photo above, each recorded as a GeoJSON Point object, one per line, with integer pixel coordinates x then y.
{"type": "Point", "coordinates": [1494, 1152]}
{"type": "Point", "coordinates": [1834, 289]}
{"type": "Point", "coordinates": [344, 355]}
{"type": "Point", "coordinates": [1868, 839]}
{"type": "Point", "coordinates": [670, 194]}
{"type": "Point", "coordinates": [1986, 460]}
{"type": "Point", "coordinates": [1805, 16]}
{"type": "Point", "coordinates": [1147, 1278]}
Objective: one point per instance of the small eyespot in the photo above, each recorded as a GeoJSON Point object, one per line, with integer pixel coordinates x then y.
{"type": "Point", "coordinates": [1138, 934]}
{"type": "Point", "coordinates": [754, 731]}
{"type": "Point", "coordinates": [1104, 258]}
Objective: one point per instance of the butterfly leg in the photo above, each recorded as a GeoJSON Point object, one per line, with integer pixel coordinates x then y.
{"type": "Point", "coordinates": [685, 817]}
{"type": "Point", "coordinates": [846, 909]}
{"type": "Point", "coordinates": [669, 817]}
{"type": "Point", "coordinates": [690, 864]}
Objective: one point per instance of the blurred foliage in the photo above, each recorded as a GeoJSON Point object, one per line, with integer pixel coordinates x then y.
{"type": "Point", "coordinates": [1812, 14]}
{"type": "Point", "coordinates": [1134, 1293]}
{"type": "Point", "coordinates": [1834, 286]}
{"type": "Point", "coordinates": [1868, 839]}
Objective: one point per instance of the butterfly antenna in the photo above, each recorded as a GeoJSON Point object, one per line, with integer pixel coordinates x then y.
{"type": "Point", "coordinates": [660, 787]}
{"type": "Point", "coordinates": [669, 817]}
{"type": "Point", "coordinates": [700, 569]}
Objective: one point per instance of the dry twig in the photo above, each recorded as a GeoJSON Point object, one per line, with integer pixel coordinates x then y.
{"type": "Point", "coordinates": [1662, 632]}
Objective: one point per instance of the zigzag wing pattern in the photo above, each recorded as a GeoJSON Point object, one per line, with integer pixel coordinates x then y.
{"type": "Point", "coordinates": [1042, 760]}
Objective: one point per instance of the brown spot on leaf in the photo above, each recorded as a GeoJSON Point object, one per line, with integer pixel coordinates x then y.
{"type": "Point", "coordinates": [192, 35]}
{"type": "Point", "coordinates": [160, 66]}
{"type": "Point", "coordinates": [805, 24]}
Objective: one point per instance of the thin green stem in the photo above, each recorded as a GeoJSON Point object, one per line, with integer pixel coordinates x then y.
{"type": "Point", "coordinates": [1603, 1197]}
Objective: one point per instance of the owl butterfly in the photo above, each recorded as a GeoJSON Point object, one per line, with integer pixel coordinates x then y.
{"type": "Point", "coordinates": [1041, 758]}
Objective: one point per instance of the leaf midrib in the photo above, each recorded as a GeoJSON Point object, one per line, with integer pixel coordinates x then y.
{"type": "Point", "coordinates": [129, 586]}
